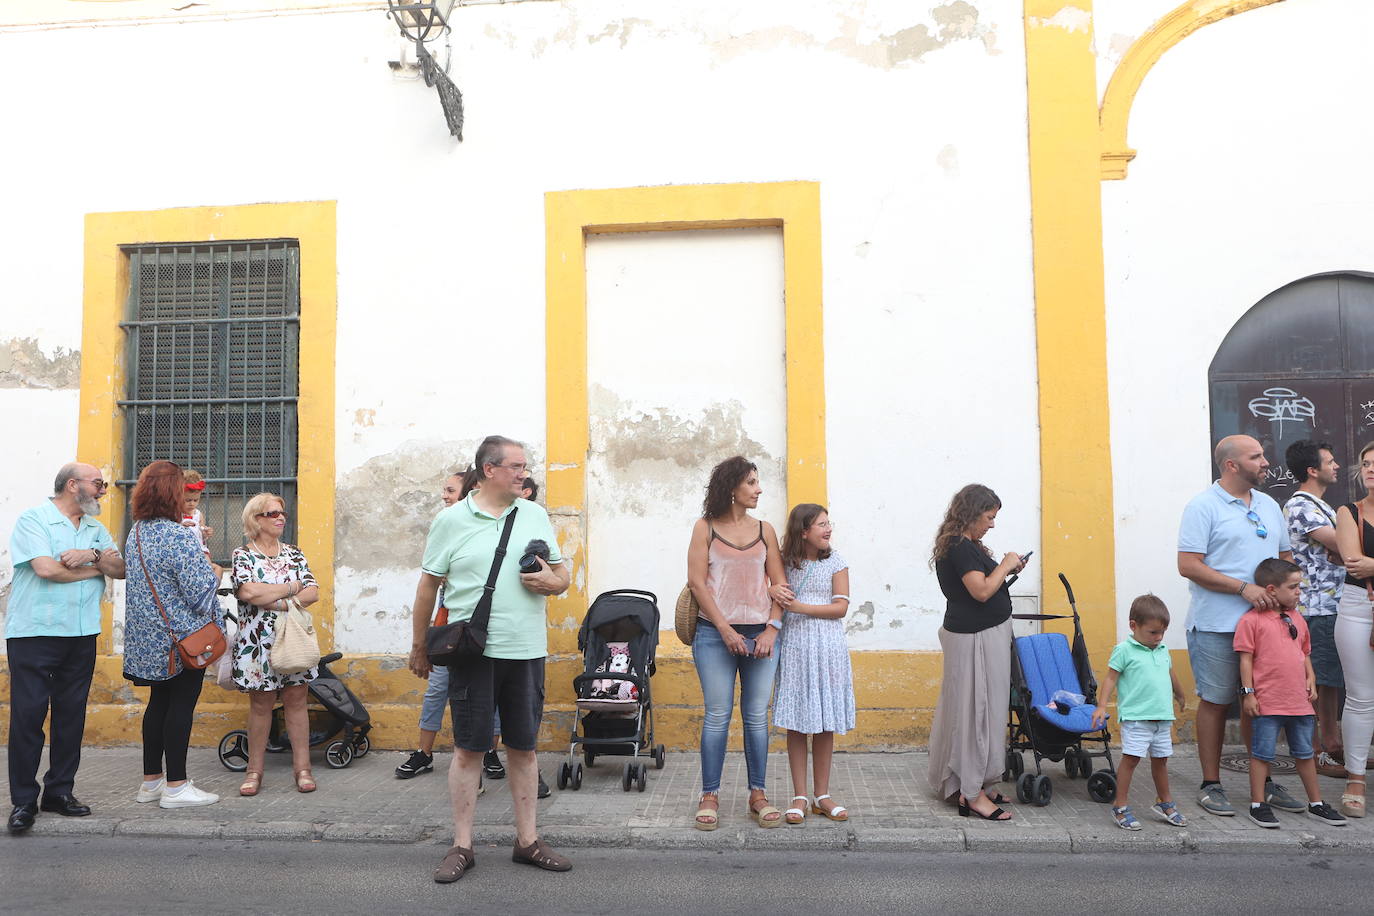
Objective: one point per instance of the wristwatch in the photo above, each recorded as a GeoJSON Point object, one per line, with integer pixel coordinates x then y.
{"type": "Point", "coordinates": [1246, 691]}
{"type": "Point", "coordinates": [775, 624]}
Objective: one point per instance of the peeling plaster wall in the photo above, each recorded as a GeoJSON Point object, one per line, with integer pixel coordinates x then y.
{"type": "Point", "coordinates": [40, 438]}
{"type": "Point", "coordinates": [1253, 172]}
{"type": "Point", "coordinates": [665, 406]}
{"type": "Point", "coordinates": [910, 116]}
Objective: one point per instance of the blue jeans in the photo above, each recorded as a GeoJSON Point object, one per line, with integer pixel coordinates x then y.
{"type": "Point", "coordinates": [436, 701]}
{"type": "Point", "coordinates": [717, 668]}
{"type": "Point", "coordinates": [1264, 734]}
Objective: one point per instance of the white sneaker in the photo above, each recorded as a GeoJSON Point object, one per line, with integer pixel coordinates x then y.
{"type": "Point", "coordinates": [188, 797]}
{"type": "Point", "coordinates": [146, 795]}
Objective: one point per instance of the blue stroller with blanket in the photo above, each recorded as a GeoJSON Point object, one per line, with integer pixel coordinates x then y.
{"type": "Point", "coordinates": [1041, 665]}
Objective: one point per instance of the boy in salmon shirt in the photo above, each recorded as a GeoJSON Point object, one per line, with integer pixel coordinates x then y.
{"type": "Point", "coordinates": [1279, 686]}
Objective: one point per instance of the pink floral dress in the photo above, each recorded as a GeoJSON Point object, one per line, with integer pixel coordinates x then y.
{"type": "Point", "coordinates": [252, 669]}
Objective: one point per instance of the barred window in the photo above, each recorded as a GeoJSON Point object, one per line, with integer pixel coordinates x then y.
{"type": "Point", "coordinates": [213, 341]}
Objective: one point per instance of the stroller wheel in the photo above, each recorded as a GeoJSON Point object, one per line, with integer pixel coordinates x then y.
{"type": "Point", "coordinates": [660, 756]}
{"type": "Point", "coordinates": [1043, 790]}
{"type": "Point", "coordinates": [361, 746]}
{"type": "Point", "coordinates": [627, 776]}
{"type": "Point", "coordinates": [642, 777]}
{"type": "Point", "coordinates": [1015, 765]}
{"type": "Point", "coordinates": [1024, 788]}
{"type": "Point", "coordinates": [576, 781]}
{"type": "Point", "coordinates": [1085, 764]}
{"type": "Point", "coordinates": [588, 757]}
{"type": "Point", "coordinates": [1102, 786]}
{"type": "Point", "coordinates": [564, 772]}
{"type": "Point", "coordinates": [233, 750]}
{"type": "Point", "coordinates": [1071, 765]}
{"type": "Point", "coordinates": [339, 754]}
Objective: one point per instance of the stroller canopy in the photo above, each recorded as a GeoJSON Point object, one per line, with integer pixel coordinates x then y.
{"type": "Point", "coordinates": [624, 615]}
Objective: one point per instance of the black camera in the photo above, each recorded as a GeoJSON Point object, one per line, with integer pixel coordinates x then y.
{"type": "Point", "coordinates": [529, 563]}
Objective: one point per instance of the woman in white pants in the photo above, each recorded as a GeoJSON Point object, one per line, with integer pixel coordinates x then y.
{"type": "Point", "coordinates": [1355, 633]}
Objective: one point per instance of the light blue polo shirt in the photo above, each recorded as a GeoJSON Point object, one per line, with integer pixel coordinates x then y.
{"type": "Point", "coordinates": [38, 607]}
{"type": "Point", "coordinates": [1215, 525]}
{"type": "Point", "coordinates": [461, 545]}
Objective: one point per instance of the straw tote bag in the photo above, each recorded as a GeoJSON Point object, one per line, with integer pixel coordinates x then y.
{"type": "Point", "coordinates": [295, 647]}
{"type": "Point", "coordinates": [685, 615]}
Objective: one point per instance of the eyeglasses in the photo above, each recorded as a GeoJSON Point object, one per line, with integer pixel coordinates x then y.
{"type": "Point", "coordinates": [275, 513]}
{"type": "Point", "coordinates": [517, 468]}
{"type": "Point", "coordinates": [1292, 629]}
{"type": "Point", "coordinates": [95, 482]}
{"type": "Point", "coordinates": [1260, 530]}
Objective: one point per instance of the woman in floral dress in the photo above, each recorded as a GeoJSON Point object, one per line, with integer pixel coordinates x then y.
{"type": "Point", "coordinates": [266, 572]}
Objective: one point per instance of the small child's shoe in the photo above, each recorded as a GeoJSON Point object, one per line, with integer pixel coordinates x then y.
{"type": "Point", "coordinates": [1169, 812]}
{"type": "Point", "coordinates": [1124, 818]}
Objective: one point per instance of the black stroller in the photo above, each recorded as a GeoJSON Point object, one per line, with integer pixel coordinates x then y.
{"type": "Point", "coordinates": [615, 710]}
{"type": "Point", "coordinates": [342, 721]}
{"type": "Point", "coordinates": [1041, 665]}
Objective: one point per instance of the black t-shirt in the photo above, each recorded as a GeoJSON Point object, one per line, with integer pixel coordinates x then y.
{"type": "Point", "coordinates": [963, 612]}
{"type": "Point", "coordinates": [1366, 544]}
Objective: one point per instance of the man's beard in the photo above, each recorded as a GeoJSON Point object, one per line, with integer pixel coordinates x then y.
{"type": "Point", "coordinates": [89, 505]}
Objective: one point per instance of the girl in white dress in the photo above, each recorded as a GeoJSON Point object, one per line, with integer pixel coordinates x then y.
{"type": "Point", "coordinates": [815, 692]}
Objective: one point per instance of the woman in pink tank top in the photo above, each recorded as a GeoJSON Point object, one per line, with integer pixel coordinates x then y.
{"type": "Point", "coordinates": [734, 568]}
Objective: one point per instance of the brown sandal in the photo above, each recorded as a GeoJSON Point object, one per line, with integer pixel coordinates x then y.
{"type": "Point", "coordinates": [305, 782]}
{"type": "Point", "coordinates": [767, 816]}
{"type": "Point", "coordinates": [456, 861]}
{"type": "Point", "coordinates": [252, 782]}
{"type": "Point", "coordinates": [704, 812]}
{"type": "Point", "coordinates": [540, 855]}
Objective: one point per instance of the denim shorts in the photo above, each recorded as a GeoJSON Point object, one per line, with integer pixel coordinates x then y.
{"type": "Point", "coordinates": [1141, 738]}
{"type": "Point", "coordinates": [1264, 734]}
{"type": "Point", "coordinates": [1216, 666]}
{"type": "Point", "coordinates": [1325, 662]}
{"type": "Point", "coordinates": [480, 687]}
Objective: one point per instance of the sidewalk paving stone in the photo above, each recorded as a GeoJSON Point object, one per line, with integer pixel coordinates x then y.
{"type": "Point", "coordinates": [890, 806]}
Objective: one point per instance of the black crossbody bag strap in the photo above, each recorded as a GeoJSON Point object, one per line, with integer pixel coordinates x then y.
{"type": "Point", "coordinates": [482, 613]}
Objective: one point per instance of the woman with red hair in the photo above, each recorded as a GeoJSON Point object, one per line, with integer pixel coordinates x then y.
{"type": "Point", "coordinates": [169, 594]}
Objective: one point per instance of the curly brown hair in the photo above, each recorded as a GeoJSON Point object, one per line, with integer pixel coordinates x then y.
{"type": "Point", "coordinates": [969, 503]}
{"type": "Point", "coordinates": [725, 476]}
{"type": "Point", "coordinates": [801, 518]}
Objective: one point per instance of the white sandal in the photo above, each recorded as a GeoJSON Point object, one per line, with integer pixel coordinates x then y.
{"type": "Point", "coordinates": [836, 813]}
{"type": "Point", "coordinates": [800, 813]}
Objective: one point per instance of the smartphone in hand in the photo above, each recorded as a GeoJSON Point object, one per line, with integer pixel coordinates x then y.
{"type": "Point", "coordinates": [749, 645]}
{"type": "Point", "coordinates": [1025, 557]}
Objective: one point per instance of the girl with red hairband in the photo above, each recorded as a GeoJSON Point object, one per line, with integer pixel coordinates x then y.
{"type": "Point", "coordinates": [191, 517]}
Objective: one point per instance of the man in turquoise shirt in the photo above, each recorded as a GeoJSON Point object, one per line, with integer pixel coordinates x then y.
{"type": "Point", "coordinates": [509, 676]}
{"type": "Point", "coordinates": [61, 556]}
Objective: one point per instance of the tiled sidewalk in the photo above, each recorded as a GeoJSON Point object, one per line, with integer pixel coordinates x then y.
{"type": "Point", "coordinates": [891, 809]}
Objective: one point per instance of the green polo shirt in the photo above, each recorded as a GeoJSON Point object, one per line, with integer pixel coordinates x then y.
{"type": "Point", "coordinates": [1144, 688]}
{"type": "Point", "coordinates": [461, 545]}
{"type": "Point", "coordinates": [37, 606]}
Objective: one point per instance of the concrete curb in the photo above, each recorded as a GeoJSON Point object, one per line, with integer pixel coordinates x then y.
{"type": "Point", "coordinates": [853, 837]}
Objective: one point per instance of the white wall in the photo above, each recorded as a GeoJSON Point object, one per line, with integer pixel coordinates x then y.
{"type": "Point", "coordinates": [1252, 172]}
{"type": "Point", "coordinates": [911, 117]}
{"type": "Point", "coordinates": [685, 369]}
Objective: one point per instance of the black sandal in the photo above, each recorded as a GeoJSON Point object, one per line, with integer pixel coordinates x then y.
{"type": "Point", "coordinates": [997, 798]}
{"type": "Point", "coordinates": [456, 861]}
{"type": "Point", "coordinates": [967, 810]}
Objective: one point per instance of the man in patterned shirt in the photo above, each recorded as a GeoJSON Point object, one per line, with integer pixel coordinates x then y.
{"type": "Point", "coordinates": [1312, 530]}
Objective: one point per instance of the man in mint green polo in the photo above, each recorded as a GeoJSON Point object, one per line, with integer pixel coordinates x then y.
{"type": "Point", "coordinates": [61, 556]}
{"type": "Point", "coordinates": [509, 676]}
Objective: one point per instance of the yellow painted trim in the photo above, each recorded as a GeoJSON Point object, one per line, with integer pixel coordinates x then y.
{"type": "Point", "coordinates": [572, 215]}
{"type": "Point", "coordinates": [101, 430]}
{"type": "Point", "coordinates": [1166, 32]}
{"type": "Point", "coordinates": [1077, 526]}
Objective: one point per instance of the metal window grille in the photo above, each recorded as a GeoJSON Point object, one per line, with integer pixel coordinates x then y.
{"type": "Point", "coordinates": [213, 342]}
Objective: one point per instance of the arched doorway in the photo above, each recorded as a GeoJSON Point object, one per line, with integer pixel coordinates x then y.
{"type": "Point", "coordinates": [1300, 365]}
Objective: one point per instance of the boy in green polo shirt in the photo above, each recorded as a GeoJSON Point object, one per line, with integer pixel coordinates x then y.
{"type": "Point", "coordinates": [1142, 676]}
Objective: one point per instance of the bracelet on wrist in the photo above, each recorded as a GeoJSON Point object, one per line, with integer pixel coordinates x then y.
{"type": "Point", "coordinates": [1241, 591]}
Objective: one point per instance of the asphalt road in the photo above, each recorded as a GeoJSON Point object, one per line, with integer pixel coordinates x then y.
{"type": "Point", "coordinates": [156, 876]}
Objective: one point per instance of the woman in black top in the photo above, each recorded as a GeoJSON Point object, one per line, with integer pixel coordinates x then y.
{"type": "Point", "coordinates": [967, 752]}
